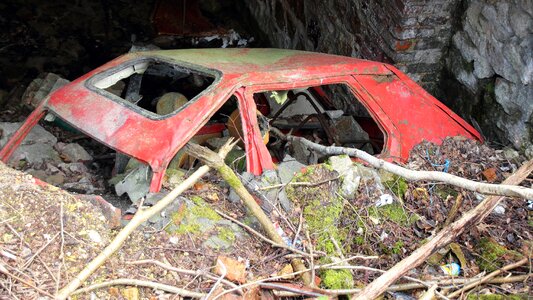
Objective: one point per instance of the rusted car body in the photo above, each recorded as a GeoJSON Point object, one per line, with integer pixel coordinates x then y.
{"type": "Point", "coordinates": [402, 111]}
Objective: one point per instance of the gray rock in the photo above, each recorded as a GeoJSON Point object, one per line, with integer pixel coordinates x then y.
{"type": "Point", "coordinates": [204, 224]}
{"type": "Point", "coordinates": [56, 179]}
{"type": "Point", "coordinates": [300, 152]}
{"type": "Point", "coordinates": [35, 154]}
{"type": "Point", "coordinates": [350, 184]}
{"type": "Point", "coordinates": [41, 87]}
{"type": "Point", "coordinates": [37, 135]}
{"type": "Point", "coordinates": [515, 99]}
{"type": "Point", "coordinates": [275, 195]}
{"type": "Point", "coordinates": [341, 163]}
{"type": "Point", "coordinates": [73, 152]}
{"type": "Point", "coordinates": [529, 152]}
{"type": "Point", "coordinates": [287, 168]}
{"type": "Point", "coordinates": [510, 153]}
{"type": "Point", "coordinates": [216, 243]}
{"type": "Point", "coordinates": [520, 21]}
{"type": "Point", "coordinates": [233, 197]}
{"type": "Point", "coordinates": [136, 183]}
{"type": "Point", "coordinates": [482, 68]}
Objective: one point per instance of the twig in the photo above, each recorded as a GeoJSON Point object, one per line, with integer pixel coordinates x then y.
{"type": "Point", "coordinates": [411, 175]}
{"type": "Point", "coordinates": [9, 291]}
{"type": "Point", "coordinates": [6, 272]}
{"type": "Point", "coordinates": [38, 257]}
{"type": "Point", "coordinates": [29, 261]}
{"type": "Point", "coordinates": [488, 277]}
{"type": "Point", "coordinates": [311, 259]}
{"type": "Point", "coordinates": [282, 185]}
{"type": "Point", "coordinates": [262, 237]}
{"type": "Point", "coordinates": [300, 223]}
{"type": "Point", "coordinates": [453, 211]}
{"type": "Point", "coordinates": [143, 283]}
{"type": "Point", "coordinates": [5, 221]}
{"type": "Point", "coordinates": [140, 217]}
{"type": "Point", "coordinates": [224, 272]}
{"type": "Point", "coordinates": [317, 267]}
{"type": "Point", "coordinates": [61, 251]}
{"type": "Point", "coordinates": [178, 270]}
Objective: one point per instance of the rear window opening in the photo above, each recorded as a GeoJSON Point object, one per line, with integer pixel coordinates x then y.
{"type": "Point", "coordinates": [156, 87]}
{"type": "Point", "coordinates": [328, 115]}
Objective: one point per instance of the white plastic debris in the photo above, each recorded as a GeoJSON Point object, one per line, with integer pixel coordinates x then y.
{"type": "Point", "coordinates": [499, 210]}
{"type": "Point", "coordinates": [281, 233]}
{"type": "Point", "coordinates": [384, 199]}
{"type": "Point", "coordinates": [452, 269]}
{"type": "Point", "coordinates": [383, 236]}
{"type": "Point", "coordinates": [174, 240]}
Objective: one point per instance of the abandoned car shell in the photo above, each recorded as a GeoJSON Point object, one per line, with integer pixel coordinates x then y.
{"type": "Point", "coordinates": [403, 111]}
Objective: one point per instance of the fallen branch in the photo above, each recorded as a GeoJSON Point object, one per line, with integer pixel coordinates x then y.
{"type": "Point", "coordinates": [216, 162]}
{"type": "Point", "coordinates": [140, 217]}
{"type": "Point", "coordinates": [178, 270]}
{"type": "Point", "coordinates": [488, 277]}
{"type": "Point", "coordinates": [143, 283]}
{"type": "Point", "coordinates": [479, 187]}
{"type": "Point", "coordinates": [445, 236]}
{"type": "Point", "coordinates": [409, 286]}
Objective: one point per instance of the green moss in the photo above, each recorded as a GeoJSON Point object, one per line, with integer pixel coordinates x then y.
{"type": "Point", "coordinates": [491, 254]}
{"type": "Point", "coordinates": [397, 248]}
{"type": "Point", "coordinates": [203, 210]}
{"type": "Point", "coordinates": [184, 220]}
{"type": "Point", "coordinates": [397, 185]}
{"type": "Point", "coordinates": [337, 279]}
{"type": "Point", "coordinates": [359, 240]}
{"type": "Point", "coordinates": [226, 234]}
{"type": "Point", "coordinates": [395, 213]}
{"type": "Point", "coordinates": [444, 191]}
{"type": "Point", "coordinates": [321, 207]}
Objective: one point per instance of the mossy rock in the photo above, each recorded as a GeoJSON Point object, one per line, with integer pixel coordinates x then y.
{"type": "Point", "coordinates": [492, 255]}
{"type": "Point", "coordinates": [190, 217]}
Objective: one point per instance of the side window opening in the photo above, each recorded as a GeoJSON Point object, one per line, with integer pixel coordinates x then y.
{"type": "Point", "coordinates": [327, 114]}
{"type": "Point", "coordinates": [154, 86]}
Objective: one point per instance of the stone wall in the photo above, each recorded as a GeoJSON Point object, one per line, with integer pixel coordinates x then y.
{"type": "Point", "coordinates": [412, 34]}
{"type": "Point", "coordinates": [491, 58]}
{"type": "Point", "coordinates": [475, 55]}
